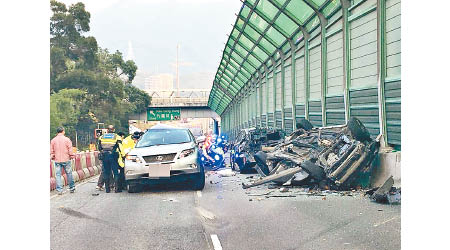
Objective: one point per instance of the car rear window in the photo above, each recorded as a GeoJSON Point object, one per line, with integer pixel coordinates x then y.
{"type": "Point", "coordinates": [163, 137]}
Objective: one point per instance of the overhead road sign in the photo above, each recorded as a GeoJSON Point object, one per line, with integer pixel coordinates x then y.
{"type": "Point", "coordinates": [163, 114]}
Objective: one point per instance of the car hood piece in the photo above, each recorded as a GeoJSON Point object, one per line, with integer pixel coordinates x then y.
{"type": "Point", "coordinates": [162, 149]}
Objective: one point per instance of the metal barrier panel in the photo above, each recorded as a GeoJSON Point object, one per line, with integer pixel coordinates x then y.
{"type": "Point", "coordinates": [392, 87]}
{"type": "Point", "coordinates": [335, 110]}
{"type": "Point", "coordinates": [263, 121]}
{"type": "Point", "coordinates": [299, 111]}
{"type": "Point", "coordinates": [393, 112]}
{"type": "Point", "coordinates": [315, 113]}
{"type": "Point", "coordinates": [288, 121]}
{"type": "Point", "coordinates": [278, 119]}
{"type": "Point", "coordinates": [270, 120]}
{"type": "Point", "coordinates": [364, 106]}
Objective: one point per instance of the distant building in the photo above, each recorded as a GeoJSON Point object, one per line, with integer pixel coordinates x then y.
{"type": "Point", "coordinates": [158, 82]}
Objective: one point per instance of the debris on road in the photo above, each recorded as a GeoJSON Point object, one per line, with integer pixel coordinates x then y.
{"type": "Point", "coordinates": [226, 172]}
{"type": "Point", "coordinates": [282, 175]}
{"type": "Point", "coordinates": [322, 158]}
{"type": "Point", "coordinates": [386, 194]}
{"type": "Point", "coordinates": [268, 196]}
{"type": "Point", "coordinates": [260, 194]}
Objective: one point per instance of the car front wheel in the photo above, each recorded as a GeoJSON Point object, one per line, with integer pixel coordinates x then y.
{"type": "Point", "coordinates": [199, 180]}
{"type": "Point", "coordinates": [134, 187]}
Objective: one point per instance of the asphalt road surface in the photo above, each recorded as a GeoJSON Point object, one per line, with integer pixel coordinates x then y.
{"type": "Point", "coordinates": [222, 216]}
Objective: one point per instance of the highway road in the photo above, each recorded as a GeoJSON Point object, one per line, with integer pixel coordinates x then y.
{"type": "Point", "coordinates": [222, 216]}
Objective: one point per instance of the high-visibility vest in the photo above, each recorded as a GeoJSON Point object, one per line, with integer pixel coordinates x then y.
{"type": "Point", "coordinates": [108, 141]}
{"type": "Point", "coordinates": [124, 148]}
{"type": "Point", "coordinates": [128, 144]}
{"type": "Point", "coordinates": [120, 151]}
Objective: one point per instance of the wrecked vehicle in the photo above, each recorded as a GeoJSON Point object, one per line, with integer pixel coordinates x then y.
{"type": "Point", "coordinates": [248, 142]}
{"type": "Point", "coordinates": [330, 157]}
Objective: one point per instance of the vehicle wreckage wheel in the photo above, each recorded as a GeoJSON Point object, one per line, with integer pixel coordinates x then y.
{"type": "Point", "coordinates": [358, 130]}
{"type": "Point", "coordinates": [304, 124]}
{"type": "Point", "coordinates": [314, 170]}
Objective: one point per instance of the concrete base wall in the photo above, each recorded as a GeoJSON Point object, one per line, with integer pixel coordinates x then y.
{"type": "Point", "coordinates": [385, 165]}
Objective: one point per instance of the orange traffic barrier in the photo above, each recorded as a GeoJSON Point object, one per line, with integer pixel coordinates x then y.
{"type": "Point", "coordinates": [78, 167]}
{"type": "Point", "coordinates": [84, 165]}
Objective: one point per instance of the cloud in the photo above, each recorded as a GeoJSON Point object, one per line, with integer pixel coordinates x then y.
{"type": "Point", "coordinates": [98, 5]}
{"type": "Point", "coordinates": [92, 5]}
{"type": "Point", "coordinates": [182, 1]}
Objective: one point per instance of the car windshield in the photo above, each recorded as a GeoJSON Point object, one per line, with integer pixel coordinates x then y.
{"type": "Point", "coordinates": [163, 137]}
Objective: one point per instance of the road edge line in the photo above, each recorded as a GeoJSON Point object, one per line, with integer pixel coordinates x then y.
{"type": "Point", "coordinates": [216, 242]}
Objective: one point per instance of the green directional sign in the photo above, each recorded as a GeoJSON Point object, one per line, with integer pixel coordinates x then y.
{"type": "Point", "coordinates": [163, 114]}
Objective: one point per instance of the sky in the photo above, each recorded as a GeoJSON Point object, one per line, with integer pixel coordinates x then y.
{"type": "Point", "coordinates": [155, 27]}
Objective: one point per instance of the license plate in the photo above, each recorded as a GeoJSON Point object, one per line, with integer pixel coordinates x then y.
{"type": "Point", "coordinates": [157, 171]}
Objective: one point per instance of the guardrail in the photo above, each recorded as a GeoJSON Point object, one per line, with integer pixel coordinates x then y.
{"type": "Point", "coordinates": [84, 165]}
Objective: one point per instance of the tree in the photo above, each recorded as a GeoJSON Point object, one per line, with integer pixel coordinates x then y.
{"type": "Point", "coordinates": [88, 84]}
{"type": "Point", "coordinates": [129, 68]}
{"type": "Point", "coordinates": [138, 98]}
{"type": "Point", "coordinates": [65, 109]}
{"type": "Point", "coordinates": [67, 44]}
{"type": "Point", "coordinates": [114, 66]}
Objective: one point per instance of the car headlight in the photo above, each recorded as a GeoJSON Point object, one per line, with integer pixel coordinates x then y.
{"type": "Point", "coordinates": [186, 153]}
{"type": "Point", "coordinates": [133, 158]}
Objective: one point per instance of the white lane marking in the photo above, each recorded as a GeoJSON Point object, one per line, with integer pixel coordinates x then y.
{"type": "Point", "coordinates": [199, 194]}
{"type": "Point", "coordinates": [386, 221]}
{"type": "Point", "coordinates": [216, 242]}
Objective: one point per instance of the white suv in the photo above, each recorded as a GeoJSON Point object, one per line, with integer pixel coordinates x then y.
{"type": "Point", "coordinates": [164, 153]}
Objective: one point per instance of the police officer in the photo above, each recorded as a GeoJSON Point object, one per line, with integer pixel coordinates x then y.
{"type": "Point", "coordinates": [121, 185]}
{"type": "Point", "coordinates": [125, 146]}
{"type": "Point", "coordinates": [108, 144]}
